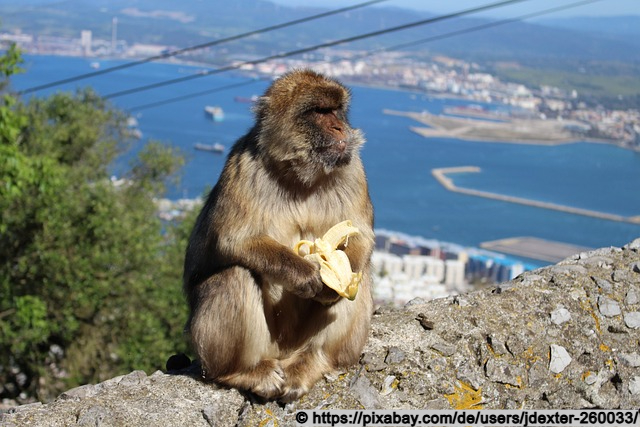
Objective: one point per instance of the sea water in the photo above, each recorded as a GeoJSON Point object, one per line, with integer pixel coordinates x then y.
{"type": "Point", "coordinates": [398, 161]}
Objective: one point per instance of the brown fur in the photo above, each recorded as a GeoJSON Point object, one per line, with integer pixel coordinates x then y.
{"type": "Point", "coordinates": [261, 318]}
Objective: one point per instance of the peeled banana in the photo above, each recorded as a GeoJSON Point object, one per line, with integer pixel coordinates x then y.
{"type": "Point", "coordinates": [335, 268]}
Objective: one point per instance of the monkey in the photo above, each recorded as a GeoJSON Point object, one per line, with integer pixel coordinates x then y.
{"type": "Point", "coordinates": [260, 318]}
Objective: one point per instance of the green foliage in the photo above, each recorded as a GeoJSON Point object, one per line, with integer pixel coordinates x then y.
{"type": "Point", "coordinates": [85, 264]}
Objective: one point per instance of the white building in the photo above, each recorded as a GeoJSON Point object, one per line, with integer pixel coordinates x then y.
{"type": "Point", "coordinates": [86, 41]}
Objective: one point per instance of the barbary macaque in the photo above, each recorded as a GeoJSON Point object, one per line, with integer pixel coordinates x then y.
{"type": "Point", "coordinates": [261, 318]}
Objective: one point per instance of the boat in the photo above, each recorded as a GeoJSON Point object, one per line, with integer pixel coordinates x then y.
{"type": "Point", "coordinates": [215, 148]}
{"type": "Point", "coordinates": [95, 65]}
{"type": "Point", "coordinates": [214, 112]}
{"type": "Point", "coordinates": [132, 126]}
{"type": "Point", "coordinates": [244, 99]}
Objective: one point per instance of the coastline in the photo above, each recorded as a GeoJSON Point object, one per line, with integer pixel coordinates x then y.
{"type": "Point", "coordinates": [506, 131]}
{"type": "Point", "coordinates": [431, 208]}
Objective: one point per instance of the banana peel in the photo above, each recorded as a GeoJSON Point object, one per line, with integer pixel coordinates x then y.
{"type": "Point", "coordinates": [335, 268]}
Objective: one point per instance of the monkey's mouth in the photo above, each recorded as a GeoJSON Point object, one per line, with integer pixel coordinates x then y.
{"type": "Point", "coordinates": [336, 153]}
{"type": "Point", "coordinates": [339, 147]}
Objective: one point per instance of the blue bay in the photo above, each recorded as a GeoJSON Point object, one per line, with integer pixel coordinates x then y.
{"type": "Point", "coordinates": [399, 162]}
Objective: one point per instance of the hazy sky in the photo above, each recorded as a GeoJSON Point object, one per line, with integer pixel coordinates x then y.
{"type": "Point", "coordinates": [600, 8]}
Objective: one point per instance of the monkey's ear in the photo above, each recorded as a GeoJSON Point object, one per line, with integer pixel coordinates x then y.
{"type": "Point", "coordinates": [260, 107]}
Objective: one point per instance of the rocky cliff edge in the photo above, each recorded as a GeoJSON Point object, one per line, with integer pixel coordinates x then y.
{"type": "Point", "coordinates": [560, 337]}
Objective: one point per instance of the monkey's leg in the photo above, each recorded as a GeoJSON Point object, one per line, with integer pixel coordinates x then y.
{"type": "Point", "coordinates": [230, 334]}
{"type": "Point", "coordinates": [338, 343]}
{"type": "Point", "coordinates": [302, 370]}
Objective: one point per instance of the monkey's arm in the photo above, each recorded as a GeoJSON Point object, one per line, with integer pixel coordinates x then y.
{"type": "Point", "coordinates": [359, 250]}
{"type": "Point", "coordinates": [266, 257]}
{"type": "Point", "coordinates": [360, 246]}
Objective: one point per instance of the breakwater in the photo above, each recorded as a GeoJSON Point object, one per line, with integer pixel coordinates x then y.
{"type": "Point", "coordinates": [441, 175]}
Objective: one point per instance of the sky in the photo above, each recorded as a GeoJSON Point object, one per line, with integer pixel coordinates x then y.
{"type": "Point", "coordinates": [600, 8]}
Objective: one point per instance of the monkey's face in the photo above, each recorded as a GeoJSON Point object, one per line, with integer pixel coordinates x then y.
{"type": "Point", "coordinates": [331, 139]}
{"type": "Point", "coordinates": [304, 118]}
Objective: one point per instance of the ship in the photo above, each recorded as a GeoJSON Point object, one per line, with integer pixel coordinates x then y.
{"type": "Point", "coordinates": [215, 148]}
{"type": "Point", "coordinates": [244, 99]}
{"type": "Point", "coordinates": [214, 112]}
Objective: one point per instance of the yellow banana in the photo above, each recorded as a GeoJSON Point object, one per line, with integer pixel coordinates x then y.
{"type": "Point", "coordinates": [335, 268]}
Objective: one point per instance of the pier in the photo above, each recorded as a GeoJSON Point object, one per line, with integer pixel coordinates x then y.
{"type": "Point", "coordinates": [441, 175]}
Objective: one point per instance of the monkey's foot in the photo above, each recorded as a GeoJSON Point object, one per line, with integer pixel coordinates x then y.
{"type": "Point", "coordinates": [293, 393]}
{"type": "Point", "coordinates": [266, 379]}
{"type": "Point", "coordinates": [302, 371]}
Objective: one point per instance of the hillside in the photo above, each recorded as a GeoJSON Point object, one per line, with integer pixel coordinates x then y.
{"type": "Point", "coordinates": [188, 23]}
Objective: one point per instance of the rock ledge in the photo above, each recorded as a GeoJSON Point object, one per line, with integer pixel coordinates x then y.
{"type": "Point", "coordinates": [560, 337]}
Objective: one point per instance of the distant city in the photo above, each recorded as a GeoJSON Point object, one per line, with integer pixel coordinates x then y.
{"type": "Point", "coordinates": [404, 266]}
{"type": "Point", "coordinates": [435, 75]}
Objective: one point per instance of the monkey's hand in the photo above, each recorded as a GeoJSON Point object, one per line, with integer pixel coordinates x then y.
{"type": "Point", "coordinates": [335, 268]}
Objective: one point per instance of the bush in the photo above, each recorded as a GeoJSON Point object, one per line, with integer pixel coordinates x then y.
{"type": "Point", "coordinates": [90, 279]}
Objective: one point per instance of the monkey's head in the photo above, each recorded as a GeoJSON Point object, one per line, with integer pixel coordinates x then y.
{"type": "Point", "coordinates": [304, 128]}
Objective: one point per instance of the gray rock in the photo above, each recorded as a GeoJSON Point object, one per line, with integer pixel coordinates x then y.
{"type": "Point", "coordinates": [635, 245]}
{"type": "Point", "coordinates": [365, 393]}
{"type": "Point", "coordinates": [470, 374]}
{"type": "Point", "coordinates": [634, 385]}
{"type": "Point", "coordinates": [624, 276]}
{"type": "Point", "coordinates": [93, 416]}
{"type": "Point", "coordinates": [632, 297]}
{"type": "Point", "coordinates": [608, 307]}
{"type": "Point", "coordinates": [632, 320]}
{"type": "Point", "coordinates": [134, 378]}
{"type": "Point", "coordinates": [559, 359]}
{"type": "Point", "coordinates": [605, 285]}
{"type": "Point", "coordinates": [444, 349]}
{"type": "Point", "coordinates": [560, 315]}
{"type": "Point", "coordinates": [531, 279]}
{"type": "Point", "coordinates": [503, 372]}
{"type": "Point", "coordinates": [372, 361]}
{"type": "Point", "coordinates": [394, 356]}
{"type": "Point", "coordinates": [630, 359]}
{"type": "Point", "coordinates": [415, 301]}
{"type": "Point", "coordinates": [498, 346]}
{"type": "Point", "coordinates": [591, 378]}
{"type": "Point", "coordinates": [84, 391]}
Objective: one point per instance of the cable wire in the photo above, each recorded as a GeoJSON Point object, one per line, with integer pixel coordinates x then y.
{"type": "Point", "coordinates": [197, 47]}
{"type": "Point", "coordinates": [472, 29]}
{"type": "Point", "coordinates": [376, 51]}
{"type": "Point", "coordinates": [316, 47]}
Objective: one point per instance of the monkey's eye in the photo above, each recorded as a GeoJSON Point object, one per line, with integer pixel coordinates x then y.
{"type": "Point", "coordinates": [323, 110]}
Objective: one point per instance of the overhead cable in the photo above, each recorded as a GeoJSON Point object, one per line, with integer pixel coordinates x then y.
{"type": "Point", "coordinates": [377, 51]}
{"type": "Point", "coordinates": [472, 29]}
{"type": "Point", "coordinates": [205, 73]}
{"type": "Point", "coordinates": [196, 47]}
